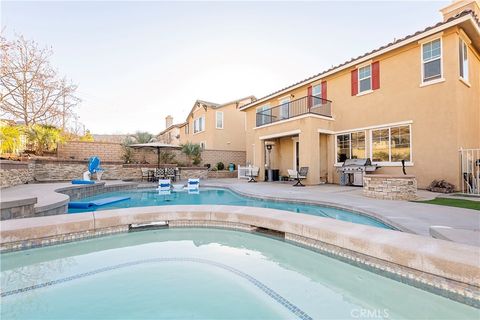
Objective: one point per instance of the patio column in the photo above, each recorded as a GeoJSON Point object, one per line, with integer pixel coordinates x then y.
{"type": "Point", "coordinates": [310, 154]}
{"type": "Point", "coordinates": [259, 159]}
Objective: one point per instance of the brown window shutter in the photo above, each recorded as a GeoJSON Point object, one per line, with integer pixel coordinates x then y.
{"type": "Point", "coordinates": [376, 75]}
{"type": "Point", "coordinates": [309, 97]}
{"type": "Point", "coordinates": [324, 90]}
{"type": "Point", "coordinates": [354, 82]}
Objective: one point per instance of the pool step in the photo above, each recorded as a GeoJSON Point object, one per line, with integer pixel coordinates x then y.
{"type": "Point", "coordinates": [147, 226]}
{"type": "Point", "coordinates": [269, 232]}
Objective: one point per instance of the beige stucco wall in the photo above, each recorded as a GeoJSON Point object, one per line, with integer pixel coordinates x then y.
{"type": "Point", "coordinates": [171, 136]}
{"type": "Point", "coordinates": [231, 137]}
{"type": "Point", "coordinates": [444, 116]}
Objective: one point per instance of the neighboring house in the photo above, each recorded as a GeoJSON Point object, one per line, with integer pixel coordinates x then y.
{"type": "Point", "coordinates": [171, 135]}
{"type": "Point", "coordinates": [416, 99]}
{"type": "Point", "coordinates": [216, 126]}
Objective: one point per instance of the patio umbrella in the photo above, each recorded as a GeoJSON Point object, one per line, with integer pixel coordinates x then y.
{"type": "Point", "coordinates": [154, 145]}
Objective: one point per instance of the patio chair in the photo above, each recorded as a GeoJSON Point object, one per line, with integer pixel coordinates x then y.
{"type": "Point", "coordinates": [193, 184]}
{"type": "Point", "coordinates": [298, 176]}
{"type": "Point", "coordinates": [145, 173]}
{"type": "Point", "coordinates": [170, 173]}
{"type": "Point", "coordinates": [253, 173]}
{"type": "Point", "coordinates": [159, 174]}
{"type": "Point", "coordinates": [177, 174]}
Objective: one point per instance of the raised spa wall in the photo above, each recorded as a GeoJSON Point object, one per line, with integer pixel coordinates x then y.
{"type": "Point", "coordinates": [26, 207]}
{"type": "Point", "coordinates": [442, 267]}
{"type": "Point", "coordinates": [390, 187]}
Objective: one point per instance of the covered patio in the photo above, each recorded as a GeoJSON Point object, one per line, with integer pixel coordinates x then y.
{"type": "Point", "coordinates": [294, 150]}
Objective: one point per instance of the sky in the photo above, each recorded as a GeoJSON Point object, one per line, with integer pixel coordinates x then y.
{"type": "Point", "coordinates": [137, 62]}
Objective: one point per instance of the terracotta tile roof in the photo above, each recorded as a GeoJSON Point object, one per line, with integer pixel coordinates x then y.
{"type": "Point", "coordinates": [458, 16]}
{"type": "Point", "coordinates": [177, 125]}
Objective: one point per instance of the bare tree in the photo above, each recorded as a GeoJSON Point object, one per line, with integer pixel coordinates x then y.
{"type": "Point", "coordinates": [30, 88]}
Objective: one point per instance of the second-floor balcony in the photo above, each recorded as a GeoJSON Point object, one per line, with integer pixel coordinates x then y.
{"type": "Point", "coordinates": [305, 105]}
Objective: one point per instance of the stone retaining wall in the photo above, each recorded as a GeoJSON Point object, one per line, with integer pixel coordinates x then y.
{"type": "Point", "coordinates": [13, 173]}
{"type": "Point", "coordinates": [390, 187]}
{"type": "Point", "coordinates": [193, 173]}
{"type": "Point", "coordinates": [222, 174]}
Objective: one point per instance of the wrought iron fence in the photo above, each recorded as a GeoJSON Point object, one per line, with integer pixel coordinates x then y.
{"type": "Point", "coordinates": [295, 108]}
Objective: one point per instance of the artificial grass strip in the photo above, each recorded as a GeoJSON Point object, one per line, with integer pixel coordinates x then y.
{"type": "Point", "coordinates": [459, 203]}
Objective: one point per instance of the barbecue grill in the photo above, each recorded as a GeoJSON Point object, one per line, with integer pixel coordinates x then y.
{"type": "Point", "coordinates": [353, 170]}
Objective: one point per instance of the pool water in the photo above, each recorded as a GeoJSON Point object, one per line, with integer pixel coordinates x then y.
{"type": "Point", "coordinates": [203, 274]}
{"type": "Point", "coordinates": [140, 198]}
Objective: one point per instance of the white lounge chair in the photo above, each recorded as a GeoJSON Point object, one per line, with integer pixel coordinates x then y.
{"type": "Point", "coordinates": [164, 185]}
{"type": "Point", "coordinates": [193, 184]}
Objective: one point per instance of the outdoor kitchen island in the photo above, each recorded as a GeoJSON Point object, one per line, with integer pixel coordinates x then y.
{"type": "Point", "coordinates": [390, 187]}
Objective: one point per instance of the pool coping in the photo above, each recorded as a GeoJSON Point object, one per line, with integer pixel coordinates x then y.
{"type": "Point", "coordinates": [362, 212]}
{"type": "Point", "coordinates": [442, 267]}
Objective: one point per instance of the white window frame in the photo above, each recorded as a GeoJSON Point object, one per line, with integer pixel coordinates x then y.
{"type": "Point", "coordinates": [350, 144]}
{"type": "Point", "coordinates": [284, 102]}
{"type": "Point", "coordinates": [422, 62]}
{"type": "Point", "coordinates": [389, 162]}
{"type": "Point", "coordinates": [197, 126]}
{"type": "Point", "coordinates": [318, 95]}
{"type": "Point", "coordinates": [369, 77]}
{"type": "Point", "coordinates": [217, 114]}
{"type": "Point", "coordinates": [463, 60]}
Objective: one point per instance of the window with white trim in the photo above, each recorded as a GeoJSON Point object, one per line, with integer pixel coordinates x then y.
{"type": "Point", "coordinates": [350, 146]}
{"type": "Point", "coordinates": [284, 108]}
{"type": "Point", "coordinates": [365, 78]}
{"type": "Point", "coordinates": [463, 55]}
{"type": "Point", "coordinates": [317, 93]}
{"type": "Point", "coordinates": [432, 60]}
{"type": "Point", "coordinates": [219, 119]}
{"type": "Point", "coordinates": [199, 124]}
{"type": "Point", "coordinates": [264, 115]}
{"type": "Point", "coordinates": [391, 144]}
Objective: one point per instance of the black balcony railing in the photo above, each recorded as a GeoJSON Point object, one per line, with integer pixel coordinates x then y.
{"type": "Point", "coordinates": [295, 108]}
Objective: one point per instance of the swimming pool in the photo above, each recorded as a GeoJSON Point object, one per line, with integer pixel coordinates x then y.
{"type": "Point", "coordinates": [150, 197]}
{"type": "Point", "coordinates": [203, 274]}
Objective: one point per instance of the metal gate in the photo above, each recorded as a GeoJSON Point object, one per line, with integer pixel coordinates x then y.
{"type": "Point", "coordinates": [470, 171]}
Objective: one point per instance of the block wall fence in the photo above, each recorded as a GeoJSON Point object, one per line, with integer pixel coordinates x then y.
{"type": "Point", "coordinates": [108, 151]}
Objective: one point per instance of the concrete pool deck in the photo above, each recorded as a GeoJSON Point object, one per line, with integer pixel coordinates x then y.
{"type": "Point", "coordinates": [408, 216]}
{"type": "Point", "coordinates": [457, 224]}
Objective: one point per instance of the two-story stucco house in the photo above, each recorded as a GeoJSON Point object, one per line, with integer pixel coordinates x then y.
{"type": "Point", "coordinates": [171, 134]}
{"type": "Point", "coordinates": [216, 126]}
{"type": "Point", "coordinates": [416, 99]}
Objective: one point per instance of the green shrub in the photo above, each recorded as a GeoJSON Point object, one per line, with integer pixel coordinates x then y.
{"type": "Point", "coordinates": [193, 151]}
{"type": "Point", "coordinates": [220, 166]}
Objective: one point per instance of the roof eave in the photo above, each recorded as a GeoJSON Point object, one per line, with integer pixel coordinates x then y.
{"type": "Point", "coordinates": [413, 38]}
